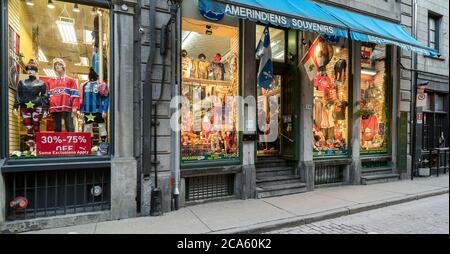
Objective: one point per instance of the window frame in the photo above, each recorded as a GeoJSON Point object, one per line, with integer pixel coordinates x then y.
{"type": "Point", "coordinates": [437, 18]}
{"type": "Point", "coordinates": [202, 164]}
{"type": "Point", "coordinates": [49, 163]}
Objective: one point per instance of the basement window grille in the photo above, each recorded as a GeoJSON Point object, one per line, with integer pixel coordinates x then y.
{"type": "Point", "coordinates": [328, 174]}
{"type": "Point", "coordinates": [209, 187]}
{"type": "Point", "coordinates": [53, 193]}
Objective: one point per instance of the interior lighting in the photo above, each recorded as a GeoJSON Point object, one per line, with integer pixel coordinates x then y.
{"type": "Point", "coordinates": [50, 4]}
{"type": "Point", "coordinates": [368, 72]}
{"type": "Point", "coordinates": [75, 8]}
{"type": "Point", "coordinates": [29, 2]}
{"type": "Point", "coordinates": [41, 56]}
{"type": "Point", "coordinates": [66, 27]}
{"type": "Point", "coordinates": [50, 73]}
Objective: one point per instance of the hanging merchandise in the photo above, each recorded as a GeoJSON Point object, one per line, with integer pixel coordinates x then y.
{"type": "Point", "coordinates": [340, 70]}
{"type": "Point", "coordinates": [264, 54]}
{"type": "Point", "coordinates": [218, 67]}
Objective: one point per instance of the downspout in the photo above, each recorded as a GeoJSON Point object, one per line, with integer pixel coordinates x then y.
{"type": "Point", "coordinates": [175, 135]}
{"type": "Point", "coordinates": [413, 95]}
{"type": "Point", "coordinates": [147, 91]}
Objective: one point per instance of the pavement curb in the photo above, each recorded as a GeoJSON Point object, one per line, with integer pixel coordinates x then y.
{"type": "Point", "coordinates": [330, 214]}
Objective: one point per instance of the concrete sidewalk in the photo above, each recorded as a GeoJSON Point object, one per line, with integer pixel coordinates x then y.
{"type": "Point", "coordinates": [258, 215]}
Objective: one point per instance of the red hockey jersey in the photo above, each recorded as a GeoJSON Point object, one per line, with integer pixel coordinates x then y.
{"type": "Point", "coordinates": [64, 95]}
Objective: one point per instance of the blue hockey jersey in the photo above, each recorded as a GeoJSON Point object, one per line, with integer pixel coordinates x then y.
{"type": "Point", "coordinates": [93, 98]}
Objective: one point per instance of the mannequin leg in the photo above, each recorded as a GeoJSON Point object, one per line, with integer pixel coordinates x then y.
{"type": "Point", "coordinates": [37, 117]}
{"type": "Point", "coordinates": [68, 121]}
{"type": "Point", "coordinates": [27, 121]}
{"type": "Point", "coordinates": [57, 120]}
{"type": "Point", "coordinates": [103, 132]}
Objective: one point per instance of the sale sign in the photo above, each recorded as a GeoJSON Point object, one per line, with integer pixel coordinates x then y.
{"type": "Point", "coordinates": [63, 144]}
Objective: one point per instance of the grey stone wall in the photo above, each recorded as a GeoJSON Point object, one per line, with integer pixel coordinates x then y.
{"type": "Point", "coordinates": [440, 7]}
{"type": "Point", "coordinates": [389, 9]}
{"type": "Point", "coordinates": [161, 89]}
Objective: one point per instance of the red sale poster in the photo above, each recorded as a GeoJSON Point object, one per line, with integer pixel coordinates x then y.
{"type": "Point", "coordinates": [63, 144]}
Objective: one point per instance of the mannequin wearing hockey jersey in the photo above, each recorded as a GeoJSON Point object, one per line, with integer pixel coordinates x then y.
{"type": "Point", "coordinates": [94, 104]}
{"type": "Point", "coordinates": [31, 99]}
{"type": "Point", "coordinates": [64, 97]}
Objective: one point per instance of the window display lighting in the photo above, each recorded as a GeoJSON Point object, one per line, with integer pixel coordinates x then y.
{"type": "Point", "coordinates": [75, 8]}
{"type": "Point", "coordinates": [29, 2]}
{"type": "Point", "coordinates": [50, 4]}
{"type": "Point", "coordinates": [66, 27]}
{"type": "Point", "coordinates": [50, 73]}
{"type": "Point", "coordinates": [42, 57]}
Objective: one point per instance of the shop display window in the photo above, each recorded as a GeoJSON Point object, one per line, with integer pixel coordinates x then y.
{"type": "Point", "coordinates": [374, 100]}
{"type": "Point", "coordinates": [277, 42]}
{"type": "Point", "coordinates": [58, 57]}
{"type": "Point", "coordinates": [326, 63]}
{"type": "Point", "coordinates": [210, 82]}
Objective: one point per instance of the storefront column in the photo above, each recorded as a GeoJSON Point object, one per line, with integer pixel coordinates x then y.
{"type": "Point", "coordinates": [123, 165]}
{"type": "Point", "coordinates": [355, 168]}
{"type": "Point", "coordinates": [306, 163]}
{"type": "Point", "coordinates": [2, 198]}
{"type": "Point", "coordinates": [249, 89]}
{"type": "Point", "coordinates": [393, 79]}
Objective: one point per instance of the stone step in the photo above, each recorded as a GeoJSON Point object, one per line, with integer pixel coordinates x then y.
{"type": "Point", "coordinates": [274, 171]}
{"type": "Point", "coordinates": [270, 162]}
{"type": "Point", "coordinates": [380, 178]}
{"type": "Point", "coordinates": [264, 182]}
{"type": "Point", "coordinates": [281, 189]}
{"type": "Point", "coordinates": [376, 171]}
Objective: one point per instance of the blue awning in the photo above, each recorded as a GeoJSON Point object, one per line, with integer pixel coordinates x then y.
{"type": "Point", "coordinates": [368, 29]}
{"type": "Point", "coordinates": [296, 14]}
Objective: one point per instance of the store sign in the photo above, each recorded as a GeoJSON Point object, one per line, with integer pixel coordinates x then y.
{"type": "Point", "coordinates": [419, 118]}
{"type": "Point", "coordinates": [422, 100]}
{"type": "Point", "coordinates": [215, 11]}
{"type": "Point", "coordinates": [211, 10]}
{"type": "Point", "coordinates": [63, 144]}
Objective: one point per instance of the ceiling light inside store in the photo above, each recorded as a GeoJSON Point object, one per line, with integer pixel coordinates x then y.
{"type": "Point", "coordinates": [42, 57]}
{"type": "Point", "coordinates": [29, 2]}
{"type": "Point", "coordinates": [50, 73]}
{"type": "Point", "coordinates": [75, 8]}
{"type": "Point", "coordinates": [66, 27]}
{"type": "Point", "coordinates": [188, 39]}
{"type": "Point", "coordinates": [368, 72]}
{"type": "Point", "coordinates": [50, 4]}
{"type": "Point", "coordinates": [84, 61]}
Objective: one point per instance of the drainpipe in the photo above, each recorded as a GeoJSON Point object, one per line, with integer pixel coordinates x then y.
{"type": "Point", "coordinates": [413, 95]}
{"type": "Point", "coordinates": [175, 135]}
{"type": "Point", "coordinates": [147, 105]}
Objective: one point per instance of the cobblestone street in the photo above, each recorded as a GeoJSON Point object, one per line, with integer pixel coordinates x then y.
{"type": "Point", "coordinates": [426, 216]}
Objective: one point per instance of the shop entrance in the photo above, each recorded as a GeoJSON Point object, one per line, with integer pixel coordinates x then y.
{"type": "Point", "coordinates": [277, 102]}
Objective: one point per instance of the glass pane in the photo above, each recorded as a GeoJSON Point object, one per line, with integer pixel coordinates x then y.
{"type": "Point", "coordinates": [58, 89]}
{"type": "Point", "coordinates": [432, 23]}
{"type": "Point", "coordinates": [277, 41]}
{"type": "Point", "coordinates": [438, 103]}
{"type": "Point", "coordinates": [329, 73]}
{"type": "Point", "coordinates": [210, 82]}
{"type": "Point", "coordinates": [374, 104]}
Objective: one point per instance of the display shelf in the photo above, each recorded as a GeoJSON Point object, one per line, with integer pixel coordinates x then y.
{"type": "Point", "coordinates": [206, 82]}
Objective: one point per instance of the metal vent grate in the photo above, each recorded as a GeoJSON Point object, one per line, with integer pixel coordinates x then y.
{"type": "Point", "coordinates": [208, 187]}
{"type": "Point", "coordinates": [328, 174]}
{"type": "Point", "coordinates": [52, 193]}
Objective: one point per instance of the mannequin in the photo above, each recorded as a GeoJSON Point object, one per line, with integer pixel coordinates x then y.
{"type": "Point", "coordinates": [64, 97]}
{"type": "Point", "coordinates": [31, 99]}
{"type": "Point", "coordinates": [186, 64]}
{"type": "Point", "coordinates": [218, 68]}
{"type": "Point", "coordinates": [203, 68]}
{"type": "Point", "coordinates": [94, 104]}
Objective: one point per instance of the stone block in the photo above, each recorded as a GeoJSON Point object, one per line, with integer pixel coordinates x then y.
{"type": "Point", "coordinates": [123, 188]}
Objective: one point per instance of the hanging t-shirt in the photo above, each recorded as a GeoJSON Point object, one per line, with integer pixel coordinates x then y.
{"type": "Point", "coordinates": [322, 82]}
{"type": "Point", "coordinates": [369, 128]}
{"type": "Point", "coordinates": [330, 92]}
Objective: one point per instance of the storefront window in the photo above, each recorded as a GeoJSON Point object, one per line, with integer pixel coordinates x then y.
{"type": "Point", "coordinates": [326, 65]}
{"type": "Point", "coordinates": [374, 98]}
{"type": "Point", "coordinates": [58, 79]}
{"type": "Point", "coordinates": [277, 42]}
{"type": "Point", "coordinates": [210, 81]}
